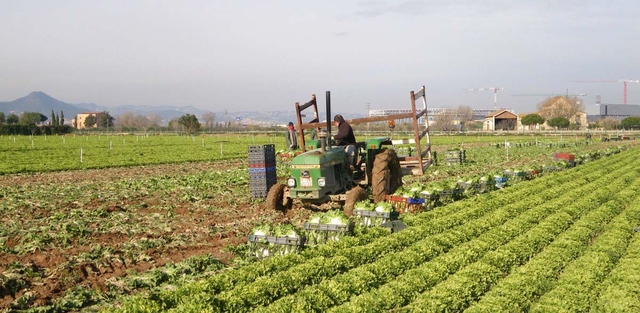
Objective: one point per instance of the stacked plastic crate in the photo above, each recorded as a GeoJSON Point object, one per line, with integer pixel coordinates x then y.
{"type": "Point", "coordinates": [262, 169]}
{"type": "Point", "coordinates": [453, 157]}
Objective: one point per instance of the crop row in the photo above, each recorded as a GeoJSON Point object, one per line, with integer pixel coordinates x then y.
{"type": "Point", "coordinates": [55, 153]}
{"type": "Point", "coordinates": [340, 289]}
{"type": "Point", "coordinates": [620, 291]}
{"type": "Point", "coordinates": [449, 217]}
{"type": "Point", "coordinates": [405, 287]}
{"type": "Point", "coordinates": [267, 288]}
{"type": "Point", "coordinates": [323, 295]}
{"type": "Point", "coordinates": [578, 285]}
{"type": "Point", "coordinates": [520, 289]}
{"type": "Point", "coordinates": [469, 284]}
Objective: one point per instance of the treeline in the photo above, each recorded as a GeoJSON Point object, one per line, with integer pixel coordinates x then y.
{"type": "Point", "coordinates": [19, 129]}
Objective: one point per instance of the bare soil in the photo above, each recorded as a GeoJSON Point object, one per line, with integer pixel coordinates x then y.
{"type": "Point", "coordinates": [232, 225]}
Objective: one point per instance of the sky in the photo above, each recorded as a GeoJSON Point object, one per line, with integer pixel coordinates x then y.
{"type": "Point", "coordinates": [265, 55]}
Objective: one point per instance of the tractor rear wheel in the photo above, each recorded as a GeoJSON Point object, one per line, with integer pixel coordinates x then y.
{"type": "Point", "coordinates": [355, 195]}
{"type": "Point", "coordinates": [386, 175]}
{"type": "Point", "coordinates": [276, 199]}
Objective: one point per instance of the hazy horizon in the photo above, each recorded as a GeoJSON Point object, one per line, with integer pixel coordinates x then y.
{"type": "Point", "coordinates": [266, 55]}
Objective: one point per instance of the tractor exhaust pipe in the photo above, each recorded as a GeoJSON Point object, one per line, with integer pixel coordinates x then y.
{"type": "Point", "coordinates": [322, 134]}
{"type": "Point", "coordinates": [327, 143]}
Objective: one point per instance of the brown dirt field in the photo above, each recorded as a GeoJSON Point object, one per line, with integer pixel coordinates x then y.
{"type": "Point", "coordinates": [232, 225]}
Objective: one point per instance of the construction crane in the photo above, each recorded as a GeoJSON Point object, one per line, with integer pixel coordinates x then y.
{"type": "Point", "coordinates": [623, 81]}
{"type": "Point", "coordinates": [548, 95]}
{"type": "Point", "coordinates": [495, 94]}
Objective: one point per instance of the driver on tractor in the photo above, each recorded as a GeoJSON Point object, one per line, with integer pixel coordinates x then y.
{"type": "Point", "coordinates": [345, 138]}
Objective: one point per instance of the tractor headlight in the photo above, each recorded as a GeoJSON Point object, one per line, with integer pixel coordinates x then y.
{"type": "Point", "coordinates": [291, 182]}
{"type": "Point", "coordinates": [321, 182]}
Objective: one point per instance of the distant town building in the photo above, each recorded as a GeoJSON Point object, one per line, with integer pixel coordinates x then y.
{"type": "Point", "coordinates": [502, 119]}
{"type": "Point", "coordinates": [82, 117]}
{"type": "Point", "coordinates": [478, 115]}
{"type": "Point", "coordinates": [615, 111]}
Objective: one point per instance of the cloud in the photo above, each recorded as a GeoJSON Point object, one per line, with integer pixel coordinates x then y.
{"type": "Point", "coordinates": [378, 8]}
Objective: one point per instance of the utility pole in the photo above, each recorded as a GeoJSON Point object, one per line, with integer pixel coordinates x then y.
{"type": "Point", "coordinates": [368, 115]}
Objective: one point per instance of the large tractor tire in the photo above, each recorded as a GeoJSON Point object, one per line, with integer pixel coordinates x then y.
{"type": "Point", "coordinates": [355, 195]}
{"type": "Point", "coordinates": [276, 199]}
{"type": "Point", "coordinates": [386, 175]}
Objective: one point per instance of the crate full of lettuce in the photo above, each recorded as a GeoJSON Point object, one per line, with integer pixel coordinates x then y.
{"type": "Point", "coordinates": [476, 185]}
{"type": "Point", "coordinates": [374, 214]}
{"type": "Point", "coordinates": [269, 240]}
{"type": "Point", "coordinates": [326, 227]}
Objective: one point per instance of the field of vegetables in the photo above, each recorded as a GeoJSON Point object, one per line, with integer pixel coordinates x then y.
{"type": "Point", "coordinates": [163, 225]}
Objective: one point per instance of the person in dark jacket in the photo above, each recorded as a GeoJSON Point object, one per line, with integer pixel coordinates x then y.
{"type": "Point", "coordinates": [292, 140]}
{"type": "Point", "coordinates": [345, 138]}
{"type": "Point", "coordinates": [345, 135]}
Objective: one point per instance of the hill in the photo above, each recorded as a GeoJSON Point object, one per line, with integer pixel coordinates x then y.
{"type": "Point", "coordinates": [38, 101]}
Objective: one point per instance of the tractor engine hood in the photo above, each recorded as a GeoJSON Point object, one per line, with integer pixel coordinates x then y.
{"type": "Point", "coordinates": [314, 174]}
{"type": "Point", "coordinates": [317, 159]}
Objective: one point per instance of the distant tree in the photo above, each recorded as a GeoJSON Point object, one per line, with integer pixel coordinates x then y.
{"type": "Point", "coordinates": [32, 118]}
{"type": "Point", "coordinates": [53, 119]}
{"type": "Point", "coordinates": [173, 124]}
{"type": "Point", "coordinates": [609, 123]}
{"type": "Point", "coordinates": [631, 122]}
{"type": "Point", "coordinates": [209, 119]}
{"type": "Point", "coordinates": [2, 118]}
{"type": "Point", "coordinates": [104, 120]}
{"type": "Point", "coordinates": [61, 118]}
{"type": "Point", "coordinates": [130, 121]}
{"type": "Point", "coordinates": [532, 119]}
{"type": "Point", "coordinates": [13, 119]}
{"type": "Point", "coordinates": [90, 121]}
{"type": "Point", "coordinates": [474, 125]}
{"type": "Point", "coordinates": [154, 120]}
{"type": "Point", "coordinates": [464, 114]}
{"type": "Point", "coordinates": [559, 122]}
{"type": "Point", "coordinates": [560, 106]}
{"type": "Point", "coordinates": [189, 122]}
{"type": "Point", "coordinates": [443, 121]}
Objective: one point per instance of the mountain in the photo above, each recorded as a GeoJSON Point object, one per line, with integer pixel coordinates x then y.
{"type": "Point", "coordinates": [40, 102]}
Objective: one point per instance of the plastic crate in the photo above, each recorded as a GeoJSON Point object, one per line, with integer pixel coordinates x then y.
{"type": "Point", "coordinates": [261, 149]}
{"type": "Point", "coordinates": [267, 246]}
{"type": "Point", "coordinates": [558, 156]}
{"type": "Point", "coordinates": [262, 169]}
{"type": "Point", "coordinates": [501, 181]}
{"type": "Point", "coordinates": [323, 233]}
{"type": "Point", "coordinates": [262, 165]}
{"type": "Point", "coordinates": [373, 218]}
{"type": "Point", "coordinates": [551, 169]}
{"type": "Point", "coordinates": [406, 205]}
{"type": "Point", "coordinates": [259, 194]}
{"type": "Point", "coordinates": [483, 187]}
{"type": "Point", "coordinates": [534, 173]}
{"type": "Point", "coordinates": [448, 196]}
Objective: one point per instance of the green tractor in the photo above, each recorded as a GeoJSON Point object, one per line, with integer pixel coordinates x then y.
{"type": "Point", "coordinates": [326, 173]}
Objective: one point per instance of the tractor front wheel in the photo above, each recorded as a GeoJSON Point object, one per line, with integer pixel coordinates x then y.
{"type": "Point", "coordinates": [386, 175]}
{"type": "Point", "coordinates": [355, 195]}
{"type": "Point", "coordinates": [276, 199]}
